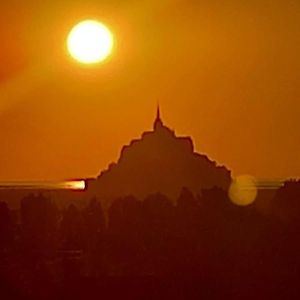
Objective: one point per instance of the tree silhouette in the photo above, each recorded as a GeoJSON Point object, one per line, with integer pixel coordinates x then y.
{"type": "Point", "coordinates": [72, 229]}
{"type": "Point", "coordinates": [94, 231]}
{"type": "Point", "coordinates": [125, 232]}
{"type": "Point", "coordinates": [39, 218]}
{"type": "Point", "coordinates": [159, 214]}
{"type": "Point", "coordinates": [7, 228]}
{"type": "Point", "coordinates": [202, 244]}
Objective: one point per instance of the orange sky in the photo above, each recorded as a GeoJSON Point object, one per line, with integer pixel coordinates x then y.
{"type": "Point", "coordinates": [225, 72]}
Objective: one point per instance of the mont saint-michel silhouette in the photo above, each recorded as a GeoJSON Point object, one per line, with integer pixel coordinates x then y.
{"type": "Point", "coordinates": [159, 162]}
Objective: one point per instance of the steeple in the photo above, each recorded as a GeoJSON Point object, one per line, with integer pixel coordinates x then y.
{"type": "Point", "coordinates": [158, 122]}
{"type": "Point", "coordinates": [158, 112]}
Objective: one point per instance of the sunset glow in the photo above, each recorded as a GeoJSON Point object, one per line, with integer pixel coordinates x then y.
{"type": "Point", "coordinates": [149, 149]}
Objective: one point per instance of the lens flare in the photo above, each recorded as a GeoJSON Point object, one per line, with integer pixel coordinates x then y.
{"type": "Point", "coordinates": [243, 190]}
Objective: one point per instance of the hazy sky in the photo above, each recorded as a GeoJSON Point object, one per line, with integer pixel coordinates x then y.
{"type": "Point", "coordinates": [225, 72]}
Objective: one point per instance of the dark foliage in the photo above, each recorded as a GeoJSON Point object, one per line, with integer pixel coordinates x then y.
{"type": "Point", "coordinates": [200, 247]}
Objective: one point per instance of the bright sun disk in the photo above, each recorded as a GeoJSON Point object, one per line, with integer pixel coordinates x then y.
{"type": "Point", "coordinates": [90, 42]}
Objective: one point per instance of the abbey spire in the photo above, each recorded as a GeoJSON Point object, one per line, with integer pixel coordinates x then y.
{"type": "Point", "coordinates": [158, 122]}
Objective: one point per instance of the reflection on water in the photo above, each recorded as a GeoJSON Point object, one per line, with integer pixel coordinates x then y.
{"type": "Point", "coordinates": [81, 185]}
{"type": "Point", "coordinates": [45, 185]}
{"type": "Point", "coordinates": [264, 184]}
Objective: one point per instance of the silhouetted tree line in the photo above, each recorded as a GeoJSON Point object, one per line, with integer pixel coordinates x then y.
{"type": "Point", "coordinates": [202, 246]}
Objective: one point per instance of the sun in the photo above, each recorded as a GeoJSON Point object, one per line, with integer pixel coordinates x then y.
{"type": "Point", "coordinates": [90, 42]}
